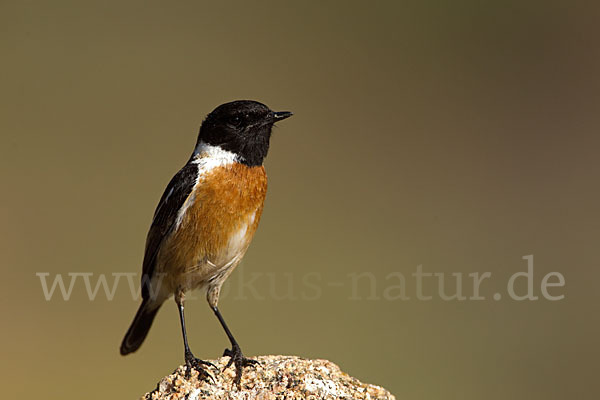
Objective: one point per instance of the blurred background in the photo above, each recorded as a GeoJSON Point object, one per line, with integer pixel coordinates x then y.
{"type": "Point", "coordinates": [460, 136]}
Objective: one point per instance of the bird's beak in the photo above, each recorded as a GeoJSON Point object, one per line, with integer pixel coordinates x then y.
{"type": "Point", "coordinates": [280, 115]}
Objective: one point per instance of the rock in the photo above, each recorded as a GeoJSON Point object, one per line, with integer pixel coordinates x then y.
{"type": "Point", "coordinates": [277, 377]}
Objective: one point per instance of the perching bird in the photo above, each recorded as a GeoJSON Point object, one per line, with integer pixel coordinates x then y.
{"type": "Point", "coordinates": [206, 219]}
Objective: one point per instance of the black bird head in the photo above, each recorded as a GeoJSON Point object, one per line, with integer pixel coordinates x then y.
{"type": "Point", "coordinates": [242, 127]}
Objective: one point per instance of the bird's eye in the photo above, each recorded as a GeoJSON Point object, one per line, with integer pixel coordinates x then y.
{"type": "Point", "coordinates": [236, 120]}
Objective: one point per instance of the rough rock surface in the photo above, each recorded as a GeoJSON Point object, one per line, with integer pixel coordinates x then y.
{"type": "Point", "coordinates": [277, 377]}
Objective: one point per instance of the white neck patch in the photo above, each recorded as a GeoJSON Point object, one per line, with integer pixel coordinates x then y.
{"type": "Point", "coordinates": [208, 157]}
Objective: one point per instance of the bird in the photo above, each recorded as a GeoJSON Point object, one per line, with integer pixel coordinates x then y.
{"type": "Point", "coordinates": [205, 221]}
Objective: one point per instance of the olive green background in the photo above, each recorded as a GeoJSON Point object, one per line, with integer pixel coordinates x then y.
{"type": "Point", "coordinates": [456, 135]}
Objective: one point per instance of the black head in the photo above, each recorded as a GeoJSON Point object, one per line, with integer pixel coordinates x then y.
{"type": "Point", "coordinates": [242, 127]}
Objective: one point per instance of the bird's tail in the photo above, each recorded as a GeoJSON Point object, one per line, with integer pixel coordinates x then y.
{"type": "Point", "coordinates": [139, 327]}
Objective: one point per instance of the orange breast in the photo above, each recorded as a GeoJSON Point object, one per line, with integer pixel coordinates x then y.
{"type": "Point", "coordinates": [218, 225]}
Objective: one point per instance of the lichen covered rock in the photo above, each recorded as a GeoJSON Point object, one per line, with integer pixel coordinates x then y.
{"type": "Point", "coordinates": [276, 377]}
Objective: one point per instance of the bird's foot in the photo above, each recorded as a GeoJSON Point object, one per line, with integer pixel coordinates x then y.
{"type": "Point", "coordinates": [237, 358]}
{"type": "Point", "coordinates": [192, 362]}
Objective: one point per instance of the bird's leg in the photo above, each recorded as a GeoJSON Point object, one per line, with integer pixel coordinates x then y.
{"type": "Point", "coordinates": [190, 360]}
{"type": "Point", "coordinates": [235, 353]}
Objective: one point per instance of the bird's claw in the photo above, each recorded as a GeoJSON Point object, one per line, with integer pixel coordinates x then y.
{"type": "Point", "coordinates": [192, 362]}
{"type": "Point", "coordinates": [236, 357]}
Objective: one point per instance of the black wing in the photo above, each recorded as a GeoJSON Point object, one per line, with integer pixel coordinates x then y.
{"type": "Point", "coordinates": [173, 198]}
